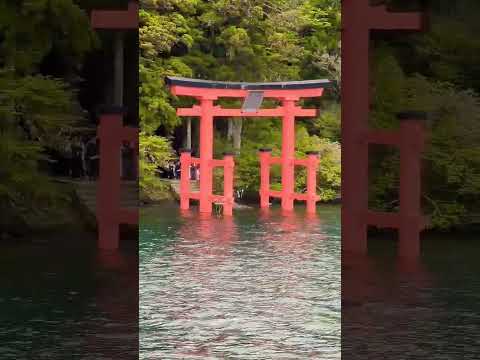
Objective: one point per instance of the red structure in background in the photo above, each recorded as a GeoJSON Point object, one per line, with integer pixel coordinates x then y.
{"type": "Point", "coordinates": [358, 19]}
{"type": "Point", "coordinates": [111, 133]}
{"type": "Point", "coordinates": [116, 19]}
{"type": "Point", "coordinates": [209, 91]}
{"type": "Point", "coordinates": [110, 215]}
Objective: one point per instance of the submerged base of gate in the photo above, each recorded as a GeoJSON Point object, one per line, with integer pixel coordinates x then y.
{"type": "Point", "coordinates": [287, 194]}
{"type": "Point", "coordinates": [409, 221]}
{"type": "Point", "coordinates": [111, 134]}
{"type": "Point", "coordinates": [206, 198]}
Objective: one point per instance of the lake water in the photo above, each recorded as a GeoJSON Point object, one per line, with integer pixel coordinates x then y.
{"type": "Point", "coordinates": [423, 309]}
{"type": "Point", "coordinates": [255, 286]}
{"type": "Point", "coordinates": [258, 286]}
{"type": "Point", "coordinates": [63, 299]}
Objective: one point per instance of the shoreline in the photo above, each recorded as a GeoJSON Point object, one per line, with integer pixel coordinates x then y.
{"type": "Point", "coordinates": [470, 229]}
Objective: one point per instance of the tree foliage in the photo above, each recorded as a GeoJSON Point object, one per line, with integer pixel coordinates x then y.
{"type": "Point", "coordinates": [35, 108]}
{"type": "Point", "coordinates": [272, 40]}
{"type": "Point", "coordinates": [432, 72]}
{"type": "Point", "coordinates": [241, 40]}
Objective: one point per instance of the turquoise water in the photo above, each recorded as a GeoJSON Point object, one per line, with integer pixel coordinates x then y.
{"type": "Point", "coordinates": [258, 286]}
{"type": "Point", "coordinates": [413, 309]}
{"type": "Point", "coordinates": [62, 299]}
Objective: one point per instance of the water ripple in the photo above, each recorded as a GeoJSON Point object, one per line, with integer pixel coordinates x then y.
{"type": "Point", "coordinates": [255, 287]}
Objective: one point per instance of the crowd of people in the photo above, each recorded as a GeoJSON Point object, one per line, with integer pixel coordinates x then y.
{"type": "Point", "coordinates": [79, 158]}
{"type": "Point", "coordinates": [173, 171]}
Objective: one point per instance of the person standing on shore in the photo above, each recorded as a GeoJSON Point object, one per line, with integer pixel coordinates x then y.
{"type": "Point", "coordinates": [177, 170]}
{"type": "Point", "coordinates": [67, 156]}
{"type": "Point", "coordinates": [90, 153]}
{"type": "Point", "coordinates": [127, 161]}
{"type": "Point", "coordinates": [77, 162]}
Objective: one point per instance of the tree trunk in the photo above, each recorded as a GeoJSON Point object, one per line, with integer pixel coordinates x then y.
{"type": "Point", "coordinates": [188, 140]}
{"type": "Point", "coordinates": [237, 134]}
{"type": "Point", "coordinates": [195, 138]}
{"type": "Point", "coordinates": [230, 130]}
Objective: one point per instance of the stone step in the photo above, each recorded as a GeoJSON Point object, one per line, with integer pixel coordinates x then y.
{"type": "Point", "coordinates": [194, 185]}
{"type": "Point", "coordinates": [132, 192]}
{"type": "Point", "coordinates": [93, 197]}
{"type": "Point", "coordinates": [175, 186]}
{"type": "Point", "coordinates": [87, 193]}
{"type": "Point", "coordinates": [92, 204]}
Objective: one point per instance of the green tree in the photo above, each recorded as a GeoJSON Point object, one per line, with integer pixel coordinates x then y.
{"type": "Point", "coordinates": [237, 40]}
{"type": "Point", "coordinates": [452, 169]}
{"type": "Point", "coordinates": [35, 109]}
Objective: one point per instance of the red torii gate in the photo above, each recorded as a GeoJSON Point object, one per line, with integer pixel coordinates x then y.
{"type": "Point", "coordinates": [111, 133]}
{"type": "Point", "coordinates": [358, 19]}
{"type": "Point", "coordinates": [288, 93]}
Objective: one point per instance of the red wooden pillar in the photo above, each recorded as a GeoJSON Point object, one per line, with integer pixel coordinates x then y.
{"type": "Point", "coordinates": [108, 194]}
{"type": "Point", "coordinates": [265, 155]}
{"type": "Point", "coordinates": [312, 197]}
{"type": "Point", "coordinates": [355, 80]}
{"type": "Point", "coordinates": [288, 154]}
{"type": "Point", "coordinates": [412, 139]}
{"type": "Point", "coordinates": [110, 131]}
{"type": "Point", "coordinates": [185, 162]}
{"type": "Point", "coordinates": [206, 154]}
{"type": "Point", "coordinates": [228, 172]}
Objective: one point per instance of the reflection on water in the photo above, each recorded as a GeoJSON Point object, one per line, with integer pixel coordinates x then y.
{"type": "Point", "coordinates": [65, 300]}
{"type": "Point", "coordinates": [255, 286]}
{"type": "Point", "coordinates": [425, 309]}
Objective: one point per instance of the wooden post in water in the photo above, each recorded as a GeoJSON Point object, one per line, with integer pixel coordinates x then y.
{"type": "Point", "coordinates": [265, 155]}
{"type": "Point", "coordinates": [185, 162]}
{"type": "Point", "coordinates": [312, 198]}
{"type": "Point", "coordinates": [108, 191]}
{"type": "Point", "coordinates": [228, 173]}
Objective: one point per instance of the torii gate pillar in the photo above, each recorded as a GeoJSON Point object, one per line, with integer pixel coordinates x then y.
{"type": "Point", "coordinates": [111, 133]}
{"type": "Point", "coordinates": [206, 151]}
{"type": "Point", "coordinates": [288, 153]}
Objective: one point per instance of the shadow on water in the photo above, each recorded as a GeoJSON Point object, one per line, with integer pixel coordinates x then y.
{"type": "Point", "coordinates": [424, 309]}
{"type": "Point", "coordinates": [63, 299]}
{"type": "Point", "coordinates": [260, 285]}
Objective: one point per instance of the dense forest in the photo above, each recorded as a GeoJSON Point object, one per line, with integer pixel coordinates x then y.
{"type": "Point", "coordinates": [271, 40]}
{"type": "Point", "coordinates": [437, 72]}
{"type": "Point", "coordinates": [44, 46]}
{"type": "Point", "coordinates": [44, 98]}
{"type": "Point", "coordinates": [237, 40]}
{"type": "Point", "coordinates": [38, 103]}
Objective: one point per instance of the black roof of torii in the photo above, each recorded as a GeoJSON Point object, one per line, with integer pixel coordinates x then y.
{"type": "Point", "coordinates": [211, 84]}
